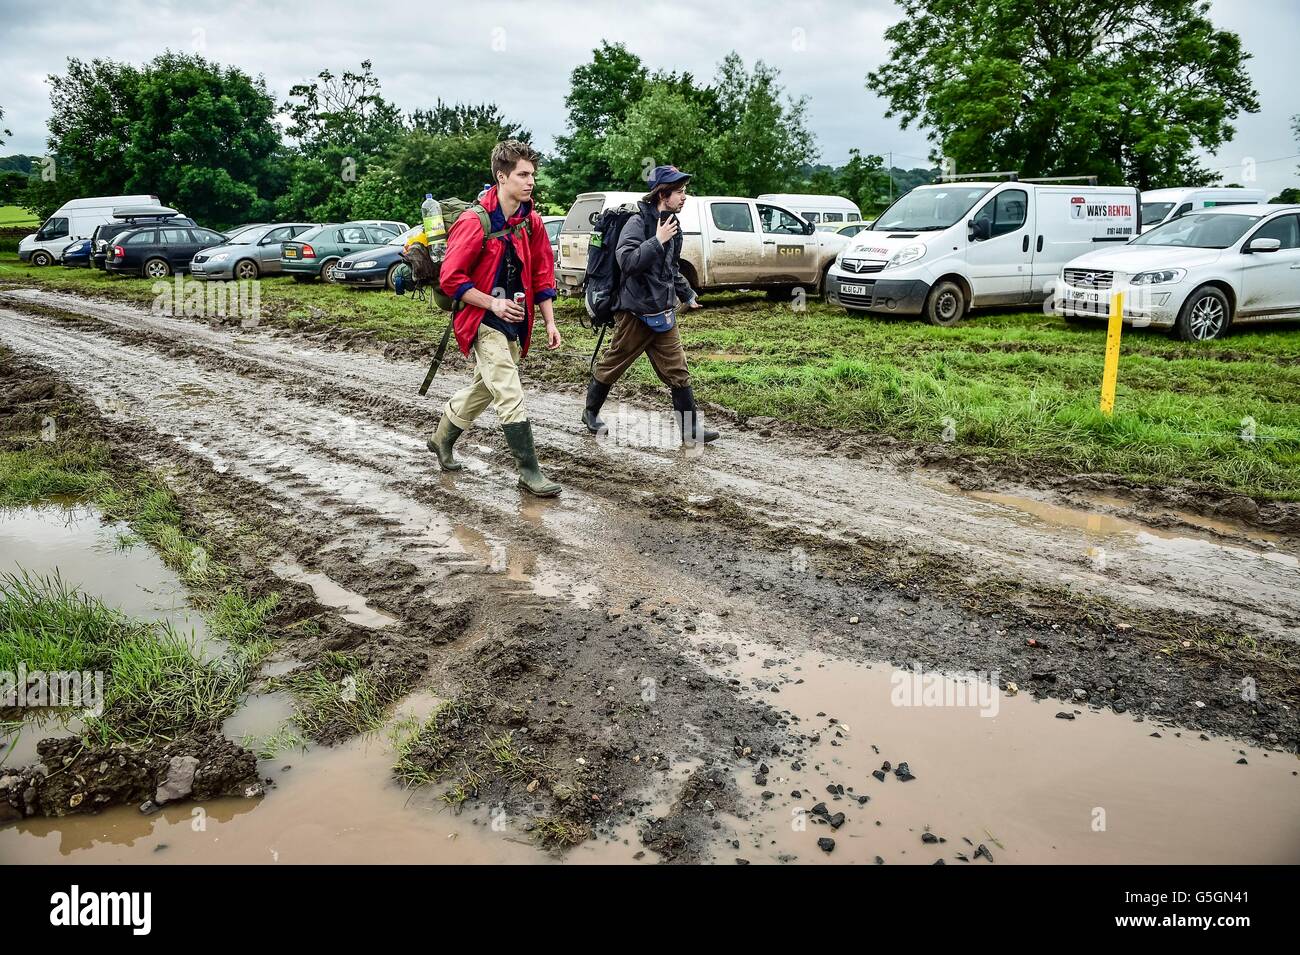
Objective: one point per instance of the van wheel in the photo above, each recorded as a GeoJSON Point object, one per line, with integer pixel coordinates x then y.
{"type": "Point", "coordinates": [245, 269]}
{"type": "Point", "coordinates": [157, 269]}
{"type": "Point", "coordinates": [325, 270]}
{"type": "Point", "coordinates": [1205, 315]}
{"type": "Point", "coordinates": [41, 259]}
{"type": "Point", "coordinates": [945, 305]}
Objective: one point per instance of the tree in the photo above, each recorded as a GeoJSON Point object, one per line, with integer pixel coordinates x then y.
{"type": "Point", "coordinates": [3, 132]}
{"type": "Point", "coordinates": [464, 119]}
{"type": "Point", "coordinates": [663, 127]}
{"type": "Point", "coordinates": [338, 124]}
{"type": "Point", "coordinates": [761, 139]}
{"type": "Point", "coordinates": [194, 133]}
{"type": "Point", "coordinates": [600, 94]}
{"type": "Point", "coordinates": [1124, 89]}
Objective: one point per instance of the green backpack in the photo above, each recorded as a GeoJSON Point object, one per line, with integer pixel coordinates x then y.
{"type": "Point", "coordinates": [451, 210]}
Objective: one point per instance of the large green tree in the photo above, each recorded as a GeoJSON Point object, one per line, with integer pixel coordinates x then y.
{"type": "Point", "coordinates": [338, 124]}
{"type": "Point", "coordinates": [760, 138]}
{"type": "Point", "coordinates": [600, 94]}
{"type": "Point", "coordinates": [198, 135]}
{"type": "Point", "coordinates": [1126, 89]}
{"type": "Point", "coordinates": [204, 137]}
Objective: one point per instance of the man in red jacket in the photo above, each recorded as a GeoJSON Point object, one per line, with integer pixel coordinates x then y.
{"type": "Point", "coordinates": [487, 277]}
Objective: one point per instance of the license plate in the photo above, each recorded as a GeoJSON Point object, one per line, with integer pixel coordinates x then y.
{"type": "Point", "coordinates": [853, 290]}
{"type": "Point", "coordinates": [291, 253]}
{"type": "Point", "coordinates": [1076, 295]}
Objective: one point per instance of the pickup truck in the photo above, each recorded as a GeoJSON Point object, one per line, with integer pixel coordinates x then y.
{"type": "Point", "coordinates": [727, 243]}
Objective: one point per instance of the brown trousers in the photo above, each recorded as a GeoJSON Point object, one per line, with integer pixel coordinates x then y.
{"type": "Point", "coordinates": [632, 337]}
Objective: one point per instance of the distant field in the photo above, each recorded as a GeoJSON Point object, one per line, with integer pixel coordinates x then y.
{"type": "Point", "coordinates": [16, 217]}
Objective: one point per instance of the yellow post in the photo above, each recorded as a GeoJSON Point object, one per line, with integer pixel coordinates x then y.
{"type": "Point", "coordinates": [1112, 353]}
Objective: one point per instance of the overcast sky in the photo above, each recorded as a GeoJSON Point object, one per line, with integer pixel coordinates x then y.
{"type": "Point", "coordinates": [519, 55]}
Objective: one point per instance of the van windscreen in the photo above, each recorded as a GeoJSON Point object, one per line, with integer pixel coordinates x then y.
{"type": "Point", "coordinates": [929, 209]}
{"type": "Point", "coordinates": [1153, 212]}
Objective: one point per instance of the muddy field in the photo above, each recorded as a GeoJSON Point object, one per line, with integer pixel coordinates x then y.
{"type": "Point", "coordinates": [728, 656]}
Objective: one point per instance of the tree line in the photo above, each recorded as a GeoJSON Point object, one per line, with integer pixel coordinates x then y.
{"type": "Point", "coordinates": [1129, 90]}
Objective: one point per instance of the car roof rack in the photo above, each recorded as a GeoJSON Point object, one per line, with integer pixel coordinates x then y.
{"type": "Point", "coordinates": [1090, 180]}
{"type": "Point", "coordinates": [1012, 175]}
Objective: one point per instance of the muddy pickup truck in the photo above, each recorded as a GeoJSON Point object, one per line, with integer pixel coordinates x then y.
{"type": "Point", "coordinates": [728, 243]}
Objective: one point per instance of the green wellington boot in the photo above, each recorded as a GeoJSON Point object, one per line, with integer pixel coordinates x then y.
{"type": "Point", "coordinates": [519, 436]}
{"type": "Point", "coordinates": [442, 441]}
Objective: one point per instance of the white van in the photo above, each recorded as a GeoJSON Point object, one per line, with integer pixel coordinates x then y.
{"type": "Point", "coordinates": [816, 209]}
{"type": "Point", "coordinates": [74, 220]}
{"type": "Point", "coordinates": [944, 248]}
{"type": "Point", "coordinates": [728, 242]}
{"type": "Point", "coordinates": [1162, 205]}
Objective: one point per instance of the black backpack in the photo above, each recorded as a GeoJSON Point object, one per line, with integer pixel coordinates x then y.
{"type": "Point", "coordinates": [602, 280]}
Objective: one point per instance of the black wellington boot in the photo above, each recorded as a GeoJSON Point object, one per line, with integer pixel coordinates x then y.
{"type": "Point", "coordinates": [597, 392]}
{"type": "Point", "coordinates": [693, 430]}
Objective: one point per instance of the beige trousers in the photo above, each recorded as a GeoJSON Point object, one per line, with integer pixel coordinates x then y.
{"type": "Point", "coordinates": [496, 382]}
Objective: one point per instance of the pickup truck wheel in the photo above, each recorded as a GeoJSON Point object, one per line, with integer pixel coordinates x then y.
{"type": "Point", "coordinates": [945, 305]}
{"type": "Point", "coordinates": [1204, 316]}
{"type": "Point", "coordinates": [41, 259]}
{"type": "Point", "coordinates": [824, 289]}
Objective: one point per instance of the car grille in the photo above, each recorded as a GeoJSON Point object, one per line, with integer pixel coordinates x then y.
{"type": "Point", "coordinates": [345, 264]}
{"type": "Point", "coordinates": [862, 301]}
{"type": "Point", "coordinates": [861, 266]}
{"type": "Point", "coordinates": [1089, 278]}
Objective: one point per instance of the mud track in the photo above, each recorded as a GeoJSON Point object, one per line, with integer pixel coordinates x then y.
{"type": "Point", "coordinates": [657, 569]}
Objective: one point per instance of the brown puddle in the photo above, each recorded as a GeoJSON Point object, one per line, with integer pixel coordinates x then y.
{"type": "Point", "coordinates": [1031, 787]}
{"type": "Point", "coordinates": [352, 605]}
{"type": "Point", "coordinates": [331, 804]}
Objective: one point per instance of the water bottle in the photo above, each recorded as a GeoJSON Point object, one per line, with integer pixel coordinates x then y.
{"type": "Point", "coordinates": [434, 228]}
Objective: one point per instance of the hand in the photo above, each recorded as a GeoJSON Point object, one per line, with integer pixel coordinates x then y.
{"type": "Point", "coordinates": [667, 229]}
{"type": "Point", "coordinates": [506, 309]}
{"type": "Point", "coordinates": [695, 303]}
{"type": "Point", "coordinates": [552, 336]}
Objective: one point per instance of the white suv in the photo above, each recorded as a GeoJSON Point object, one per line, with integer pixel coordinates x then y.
{"type": "Point", "coordinates": [1197, 273]}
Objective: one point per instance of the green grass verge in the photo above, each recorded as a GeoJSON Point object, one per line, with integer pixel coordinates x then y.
{"type": "Point", "coordinates": [1018, 388]}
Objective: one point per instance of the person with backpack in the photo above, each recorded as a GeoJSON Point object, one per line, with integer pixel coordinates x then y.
{"type": "Point", "coordinates": [650, 285]}
{"type": "Point", "coordinates": [496, 277]}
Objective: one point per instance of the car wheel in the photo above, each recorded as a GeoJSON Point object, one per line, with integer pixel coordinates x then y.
{"type": "Point", "coordinates": [945, 305]}
{"type": "Point", "coordinates": [41, 259]}
{"type": "Point", "coordinates": [1205, 315]}
{"type": "Point", "coordinates": [391, 280]}
{"type": "Point", "coordinates": [157, 269]}
{"type": "Point", "coordinates": [245, 269]}
{"type": "Point", "coordinates": [325, 270]}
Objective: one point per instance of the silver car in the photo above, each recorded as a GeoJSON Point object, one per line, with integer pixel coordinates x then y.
{"type": "Point", "coordinates": [249, 253]}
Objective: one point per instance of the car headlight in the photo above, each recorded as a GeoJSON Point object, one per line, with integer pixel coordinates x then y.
{"type": "Point", "coordinates": [220, 257]}
{"type": "Point", "coordinates": [905, 256]}
{"type": "Point", "coordinates": [367, 264]}
{"type": "Point", "coordinates": [1162, 277]}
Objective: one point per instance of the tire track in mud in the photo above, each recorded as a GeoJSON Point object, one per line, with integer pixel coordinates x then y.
{"type": "Point", "coordinates": [660, 556]}
{"type": "Point", "coordinates": [777, 482]}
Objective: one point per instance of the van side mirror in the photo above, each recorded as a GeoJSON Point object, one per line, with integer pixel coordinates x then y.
{"type": "Point", "coordinates": [977, 229]}
{"type": "Point", "coordinates": [1262, 244]}
{"type": "Point", "coordinates": [809, 228]}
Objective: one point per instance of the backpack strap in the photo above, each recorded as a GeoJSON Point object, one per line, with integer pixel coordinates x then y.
{"type": "Point", "coordinates": [485, 221]}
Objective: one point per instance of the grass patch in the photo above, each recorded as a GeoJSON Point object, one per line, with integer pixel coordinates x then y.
{"type": "Point", "coordinates": [153, 683]}
{"type": "Point", "coordinates": [338, 695]}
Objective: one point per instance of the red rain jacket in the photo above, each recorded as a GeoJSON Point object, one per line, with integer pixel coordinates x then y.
{"type": "Point", "coordinates": [463, 267]}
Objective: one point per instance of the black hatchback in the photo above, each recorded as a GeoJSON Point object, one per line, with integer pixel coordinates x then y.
{"type": "Point", "coordinates": [101, 240]}
{"type": "Point", "coordinates": [157, 251]}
